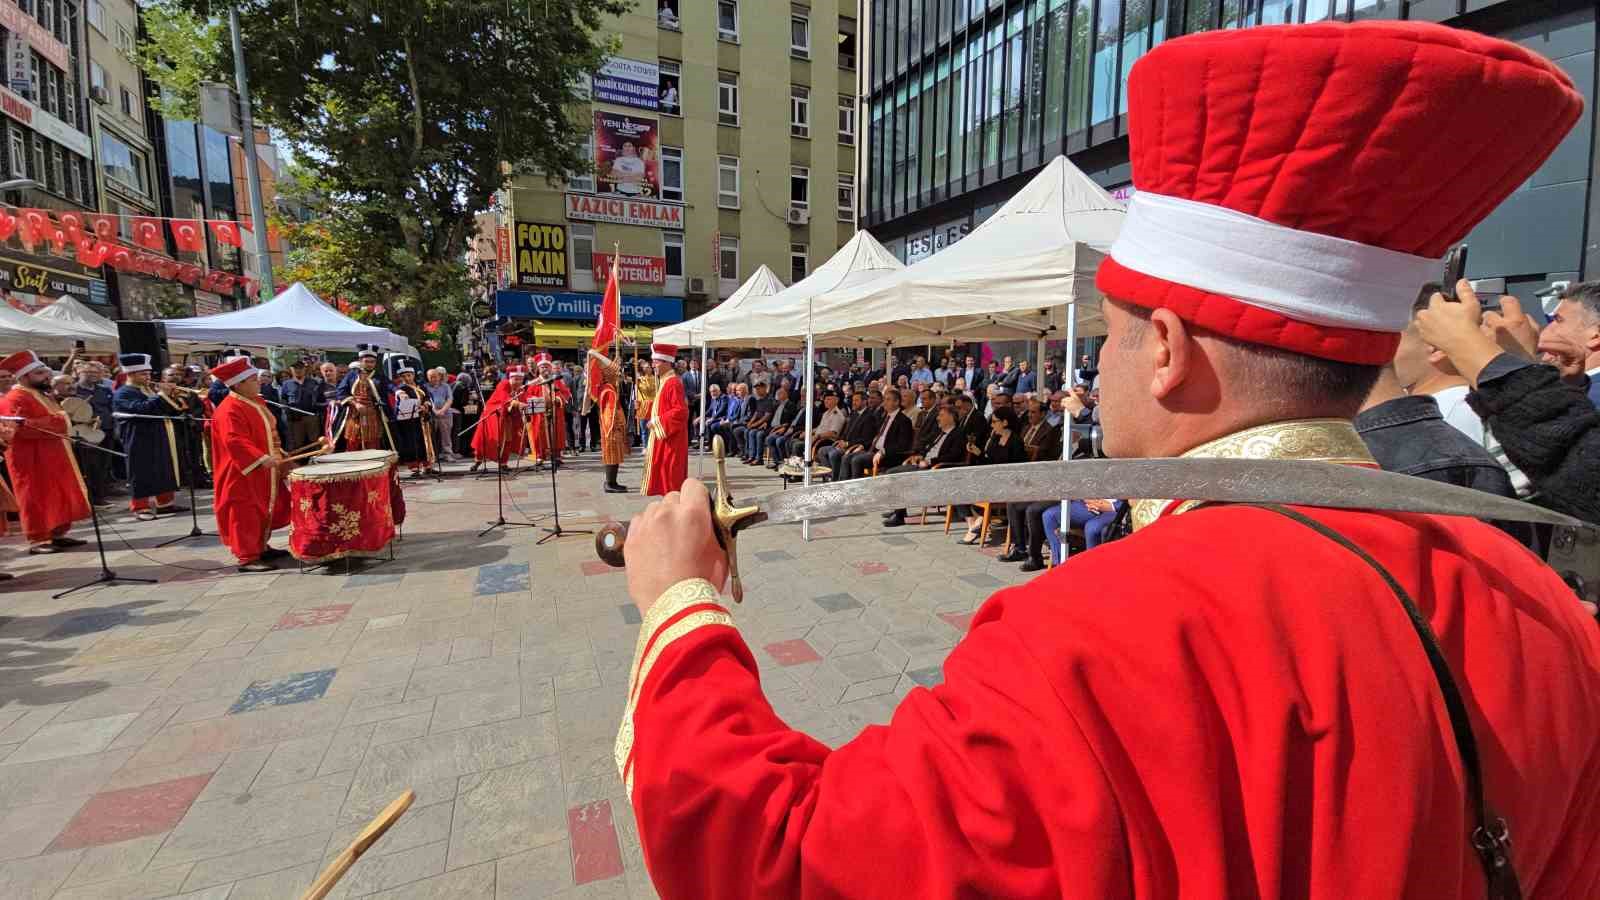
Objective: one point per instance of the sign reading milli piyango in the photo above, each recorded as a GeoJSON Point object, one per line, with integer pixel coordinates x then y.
{"type": "Point", "coordinates": [541, 254]}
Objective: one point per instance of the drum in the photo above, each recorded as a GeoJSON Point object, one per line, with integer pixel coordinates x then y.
{"type": "Point", "coordinates": [397, 500]}
{"type": "Point", "coordinates": [340, 509]}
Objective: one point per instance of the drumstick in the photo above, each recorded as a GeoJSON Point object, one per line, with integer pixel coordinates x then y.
{"type": "Point", "coordinates": [318, 443]}
{"type": "Point", "coordinates": [318, 451]}
{"type": "Point", "coordinates": [368, 836]}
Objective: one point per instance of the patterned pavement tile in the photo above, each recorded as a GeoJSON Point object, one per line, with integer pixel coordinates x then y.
{"type": "Point", "coordinates": [371, 580]}
{"type": "Point", "coordinates": [296, 688]}
{"type": "Point", "coordinates": [595, 853]}
{"type": "Point", "coordinates": [792, 652]}
{"type": "Point", "coordinates": [895, 540]}
{"type": "Point", "coordinates": [114, 816]}
{"type": "Point", "coordinates": [871, 568]}
{"type": "Point", "coordinates": [89, 624]}
{"type": "Point", "coordinates": [502, 578]}
{"type": "Point", "coordinates": [596, 567]}
{"type": "Point", "coordinates": [927, 677]}
{"type": "Point", "coordinates": [773, 555]}
{"type": "Point", "coordinates": [958, 621]}
{"type": "Point", "coordinates": [316, 615]}
{"type": "Point", "coordinates": [982, 580]}
{"type": "Point", "coordinates": [630, 614]}
{"type": "Point", "coordinates": [837, 602]}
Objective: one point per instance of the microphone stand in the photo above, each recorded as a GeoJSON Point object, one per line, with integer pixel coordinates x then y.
{"type": "Point", "coordinates": [106, 576]}
{"type": "Point", "coordinates": [557, 532]}
{"type": "Point", "coordinates": [188, 459]}
{"type": "Point", "coordinates": [500, 484]}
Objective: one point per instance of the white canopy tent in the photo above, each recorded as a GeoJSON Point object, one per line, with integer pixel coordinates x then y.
{"type": "Point", "coordinates": [20, 331]}
{"type": "Point", "coordinates": [763, 283]}
{"type": "Point", "coordinates": [100, 333]}
{"type": "Point", "coordinates": [294, 318]}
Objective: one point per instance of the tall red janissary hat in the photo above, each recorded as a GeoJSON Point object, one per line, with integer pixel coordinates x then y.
{"type": "Point", "coordinates": [1297, 185]}
{"type": "Point", "coordinates": [664, 352]}
{"type": "Point", "coordinates": [234, 370]}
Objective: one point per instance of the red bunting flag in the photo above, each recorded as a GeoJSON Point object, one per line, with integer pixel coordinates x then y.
{"type": "Point", "coordinates": [36, 227]}
{"type": "Point", "coordinates": [104, 227]}
{"type": "Point", "coordinates": [8, 224]}
{"type": "Point", "coordinates": [147, 233]}
{"type": "Point", "coordinates": [92, 254]}
{"type": "Point", "coordinates": [186, 234]}
{"type": "Point", "coordinates": [252, 287]}
{"type": "Point", "coordinates": [189, 275]}
{"type": "Point", "coordinates": [58, 242]}
{"type": "Point", "coordinates": [72, 224]}
{"type": "Point", "coordinates": [168, 268]}
{"type": "Point", "coordinates": [121, 259]}
{"type": "Point", "coordinates": [227, 232]}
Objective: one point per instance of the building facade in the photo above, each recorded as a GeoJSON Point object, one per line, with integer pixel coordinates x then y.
{"type": "Point", "coordinates": [966, 99]}
{"type": "Point", "coordinates": [723, 134]}
{"type": "Point", "coordinates": [46, 149]}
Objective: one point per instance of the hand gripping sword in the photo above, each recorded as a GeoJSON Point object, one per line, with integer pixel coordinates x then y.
{"type": "Point", "coordinates": [1286, 481]}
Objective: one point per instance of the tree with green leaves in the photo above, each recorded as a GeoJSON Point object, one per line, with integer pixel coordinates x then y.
{"type": "Point", "coordinates": [407, 116]}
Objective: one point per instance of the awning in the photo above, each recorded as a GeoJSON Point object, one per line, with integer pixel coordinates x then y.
{"type": "Point", "coordinates": [577, 335]}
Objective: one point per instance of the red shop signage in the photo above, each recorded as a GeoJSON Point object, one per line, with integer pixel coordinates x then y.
{"type": "Point", "coordinates": [631, 269]}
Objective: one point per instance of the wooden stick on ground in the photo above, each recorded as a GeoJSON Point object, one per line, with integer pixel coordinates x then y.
{"type": "Point", "coordinates": [368, 836]}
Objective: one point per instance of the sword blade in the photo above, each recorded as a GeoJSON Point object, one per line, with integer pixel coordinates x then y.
{"type": "Point", "coordinates": [1295, 482]}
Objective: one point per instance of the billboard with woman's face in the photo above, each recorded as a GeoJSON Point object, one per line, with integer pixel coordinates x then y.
{"type": "Point", "coordinates": [626, 161]}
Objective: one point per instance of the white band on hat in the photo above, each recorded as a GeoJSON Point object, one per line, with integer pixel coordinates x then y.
{"type": "Point", "coordinates": [136, 367]}
{"type": "Point", "coordinates": [1305, 276]}
{"type": "Point", "coordinates": [664, 357]}
{"type": "Point", "coordinates": [36, 364]}
{"type": "Point", "coordinates": [247, 373]}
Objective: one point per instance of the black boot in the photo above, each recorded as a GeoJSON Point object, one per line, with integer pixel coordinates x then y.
{"type": "Point", "coordinates": [612, 487]}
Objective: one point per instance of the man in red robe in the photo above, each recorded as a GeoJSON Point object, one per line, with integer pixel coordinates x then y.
{"type": "Point", "coordinates": [1234, 701]}
{"type": "Point", "coordinates": [666, 460]}
{"type": "Point", "coordinates": [547, 430]}
{"type": "Point", "coordinates": [44, 472]}
{"type": "Point", "coordinates": [499, 434]}
{"type": "Point", "coordinates": [252, 494]}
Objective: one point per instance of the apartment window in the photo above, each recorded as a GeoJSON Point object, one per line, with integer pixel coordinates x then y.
{"type": "Point", "coordinates": [728, 258]}
{"type": "Point", "coordinates": [582, 242]}
{"type": "Point", "coordinates": [799, 187]}
{"type": "Point", "coordinates": [800, 34]}
{"type": "Point", "coordinates": [728, 20]}
{"type": "Point", "coordinates": [728, 182]}
{"type": "Point", "coordinates": [124, 40]}
{"type": "Point", "coordinates": [672, 252]}
{"type": "Point", "coordinates": [847, 198]}
{"type": "Point", "coordinates": [122, 164]}
{"type": "Point", "coordinates": [584, 183]}
{"type": "Point", "coordinates": [97, 75]}
{"type": "Point", "coordinates": [37, 81]}
{"type": "Point", "coordinates": [19, 153]}
{"type": "Point", "coordinates": [97, 15]}
{"type": "Point", "coordinates": [667, 15]}
{"type": "Point", "coordinates": [667, 83]}
{"type": "Point", "coordinates": [47, 14]}
{"type": "Point", "coordinates": [40, 164]}
{"type": "Point", "coordinates": [127, 104]}
{"type": "Point", "coordinates": [72, 178]}
{"type": "Point", "coordinates": [799, 111]}
{"type": "Point", "coordinates": [52, 92]}
{"type": "Point", "coordinates": [728, 98]}
{"type": "Point", "coordinates": [58, 171]}
{"type": "Point", "coordinates": [797, 262]}
{"type": "Point", "coordinates": [847, 119]}
{"type": "Point", "coordinates": [847, 43]}
{"type": "Point", "coordinates": [672, 173]}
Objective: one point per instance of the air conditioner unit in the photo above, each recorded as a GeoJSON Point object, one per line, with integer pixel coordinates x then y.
{"type": "Point", "coordinates": [799, 216]}
{"type": "Point", "coordinates": [99, 95]}
{"type": "Point", "coordinates": [697, 286]}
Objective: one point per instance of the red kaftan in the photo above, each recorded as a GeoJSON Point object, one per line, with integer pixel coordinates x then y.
{"type": "Point", "coordinates": [1179, 713]}
{"type": "Point", "coordinates": [499, 433]}
{"type": "Point", "coordinates": [44, 471]}
{"type": "Point", "coordinates": [554, 420]}
{"type": "Point", "coordinates": [666, 461]}
{"type": "Point", "coordinates": [249, 505]}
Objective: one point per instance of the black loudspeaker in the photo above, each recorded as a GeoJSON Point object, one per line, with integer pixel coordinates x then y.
{"type": "Point", "coordinates": [145, 337]}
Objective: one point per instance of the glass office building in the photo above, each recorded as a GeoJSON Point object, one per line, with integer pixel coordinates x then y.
{"type": "Point", "coordinates": [965, 99]}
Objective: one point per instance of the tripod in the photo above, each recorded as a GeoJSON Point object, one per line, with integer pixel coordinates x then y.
{"type": "Point", "coordinates": [106, 576]}
{"type": "Point", "coordinates": [188, 458]}
{"type": "Point", "coordinates": [500, 485]}
{"type": "Point", "coordinates": [557, 532]}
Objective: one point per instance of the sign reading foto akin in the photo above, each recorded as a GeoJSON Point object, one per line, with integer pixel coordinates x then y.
{"type": "Point", "coordinates": [541, 254]}
{"type": "Point", "coordinates": [631, 269]}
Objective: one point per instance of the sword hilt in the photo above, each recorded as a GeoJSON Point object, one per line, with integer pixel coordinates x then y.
{"type": "Point", "coordinates": [726, 521]}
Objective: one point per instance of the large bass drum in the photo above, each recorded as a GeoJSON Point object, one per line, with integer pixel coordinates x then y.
{"type": "Point", "coordinates": [340, 509]}
{"type": "Point", "coordinates": [391, 459]}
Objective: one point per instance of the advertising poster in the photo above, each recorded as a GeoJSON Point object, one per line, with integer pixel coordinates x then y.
{"type": "Point", "coordinates": [541, 254]}
{"type": "Point", "coordinates": [627, 82]}
{"type": "Point", "coordinates": [625, 158]}
{"type": "Point", "coordinates": [632, 269]}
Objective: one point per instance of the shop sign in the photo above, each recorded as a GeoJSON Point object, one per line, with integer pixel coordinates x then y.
{"type": "Point", "coordinates": [541, 254]}
{"type": "Point", "coordinates": [19, 69]}
{"type": "Point", "coordinates": [925, 244]}
{"type": "Point", "coordinates": [16, 21]}
{"type": "Point", "coordinates": [584, 306]}
{"type": "Point", "coordinates": [632, 269]}
{"type": "Point", "coordinates": [47, 125]}
{"type": "Point", "coordinates": [584, 208]}
{"type": "Point", "coordinates": [628, 82]}
{"type": "Point", "coordinates": [502, 246]}
{"type": "Point", "coordinates": [1123, 192]}
{"type": "Point", "coordinates": [27, 278]}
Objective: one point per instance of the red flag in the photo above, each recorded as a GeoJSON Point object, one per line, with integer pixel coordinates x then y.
{"type": "Point", "coordinates": [227, 232]}
{"type": "Point", "coordinates": [121, 259]}
{"type": "Point", "coordinates": [607, 326]}
{"type": "Point", "coordinates": [36, 227]}
{"type": "Point", "coordinates": [92, 254]}
{"type": "Point", "coordinates": [8, 224]}
{"type": "Point", "coordinates": [186, 234]}
{"type": "Point", "coordinates": [432, 327]}
{"type": "Point", "coordinates": [104, 227]}
{"type": "Point", "coordinates": [147, 233]}
{"type": "Point", "coordinates": [252, 287]}
{"type": "Point", "coordinates": [189, 275]}
{"type": "Point", "coordinates": [168, 268]}
{"type": "Point", "coordinates": [72, 224]}
{"type": "Point", "coordinates": [58, 242]}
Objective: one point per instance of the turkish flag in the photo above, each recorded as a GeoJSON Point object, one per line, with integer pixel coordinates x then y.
{"type": "Point", "coordinates": [223, 282]}
{"type": "Point", "coordinates": [92, 254]}
{"type": "Point", "coordinates": [168, 268]}
{"type": "Point", "coordinates": [104, 227]}
{"type": "Point", "coordinates": [72, 224]}
{"type": "Point", "coordinates": [187, 235]}
{"type": "Point", "coordinates": [58, 242]}
{"type": "Point", "coordinates": [607, 326]}
{"type": "Point", "coordinates": [189, 275]}
{"type": "Point", "coordinates": [122, 259]}
{"type": "Point", "coordinates": [252, 287]}
{"type": "Point", "coordinates": [147, 233]}
{"type": "Point", "coordinates": [227, 232]}
{"type": "Point", "coordinates": [36, 226]}
{"type": "Point", "coordinates": [8, 224]}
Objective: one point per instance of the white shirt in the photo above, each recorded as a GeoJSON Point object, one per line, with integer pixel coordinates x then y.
{"type": "Point", "coordinates": [933, 452]}
{"type": "Point", "coordinates": [833, 420]}
{"type": "Point", "coordinates": [627, 166]}
{"type": "Point", "coordinates": [1453, 406]}
{"type": "Point", "coordinates": [883, 431]}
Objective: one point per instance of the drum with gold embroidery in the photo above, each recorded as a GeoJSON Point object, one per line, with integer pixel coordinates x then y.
{"type": "Point", "coordinates": [397, 500]}
{"type": "Point", "coordinates": [340, 509]}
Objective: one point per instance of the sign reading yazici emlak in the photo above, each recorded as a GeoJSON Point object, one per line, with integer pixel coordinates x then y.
{"type": "Point", "coordinates": [583, 306]}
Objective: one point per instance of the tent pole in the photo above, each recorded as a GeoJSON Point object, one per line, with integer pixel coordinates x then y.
{"type": "Point", "coordinates": [811, 368]}
{"type": "Point", "coordinates": [705, 442]}
{"type": "Point", "coordinates": [1067, 439]}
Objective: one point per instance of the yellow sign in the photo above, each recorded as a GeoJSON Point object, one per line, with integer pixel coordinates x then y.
{"type": "Point", "coordinates": [541, 255]}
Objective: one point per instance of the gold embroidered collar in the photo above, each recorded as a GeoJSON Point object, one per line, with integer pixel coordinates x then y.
{"type": "Point", "coordinates": [1320, 440]}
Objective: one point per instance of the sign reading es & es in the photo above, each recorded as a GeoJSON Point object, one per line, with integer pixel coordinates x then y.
{"type": "Point", "coordinates": [541, 254]}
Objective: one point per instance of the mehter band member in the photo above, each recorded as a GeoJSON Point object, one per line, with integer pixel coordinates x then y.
{"type": "Point", "coordinates": [365, 400]}
{"type": "Point", "coordinates": [413, 426]}
{"type": "Point", "coordinates": [500, 430]}
{"type": "Point", "coordinates": [547, 429]}
{"type": "Point", "coordinates": [44, 474]}
{"type": "Point", "coordinates": [150, 438]}
{"type": "Point", "coordinates": [1234, 700]}
{"type": "Point", "coordinates": [252, 494]}
{"type": "Point", "coordinates": [604, 393]}
{"type": "Point", "coordinates": [666, 461]}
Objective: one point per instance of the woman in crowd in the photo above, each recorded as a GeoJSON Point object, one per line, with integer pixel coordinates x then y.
{"type": "Point", "coordinates": [1004, 446]}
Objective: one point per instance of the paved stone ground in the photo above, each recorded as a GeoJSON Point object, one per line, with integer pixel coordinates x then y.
{"type": "Point", "coordinates": [218, 735]}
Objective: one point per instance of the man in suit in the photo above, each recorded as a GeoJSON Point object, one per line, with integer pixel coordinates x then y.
{"type": "Point", "coordinates": [890, 445]}
{"type": "Point", "coordinates": [1042, 442]}
{"type": "Point", "coordinates": [973, 375]}
{"type": "Point", "coordinates": [716, 410]}
{"type": "Point", "coordinates": [858, 432]}
{"type": "Point", "coordinates": [302, 392]}
{"type": "Point", "coordinates": [946, 449]}
{"type": "Point", "coordinates": [971, 421]}
{"type": "Point", "coordinates": [735, 415]}
{"type": "Point", "coordinates": [691, 389]}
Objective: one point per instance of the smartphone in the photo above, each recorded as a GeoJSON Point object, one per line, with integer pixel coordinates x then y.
{"type": "Point", "coordinates": [1455, 268]}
